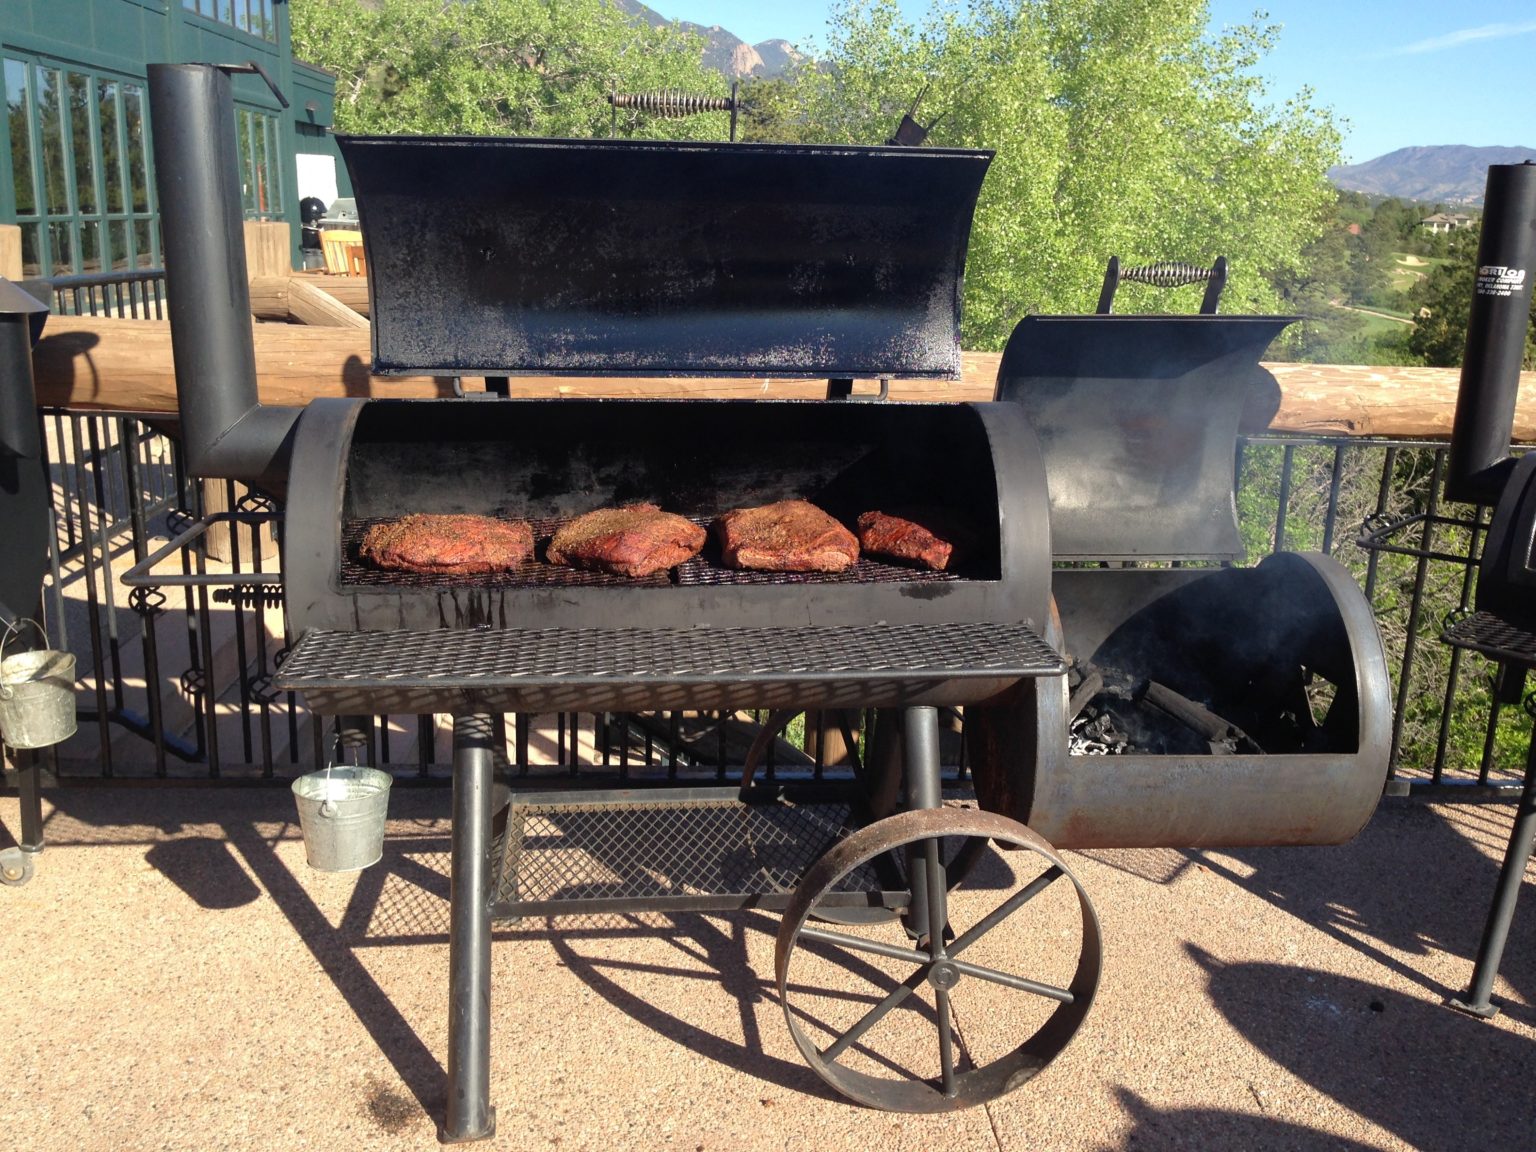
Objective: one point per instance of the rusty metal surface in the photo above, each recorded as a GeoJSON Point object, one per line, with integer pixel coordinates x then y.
{"type": "Point", "coordinates": [1295, 624]}
{"type": "Point", "coordinates": [1138, 418]}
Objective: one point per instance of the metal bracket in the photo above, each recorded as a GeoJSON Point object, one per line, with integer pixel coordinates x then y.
{"type": "Point", "coordinates": [252, 66]}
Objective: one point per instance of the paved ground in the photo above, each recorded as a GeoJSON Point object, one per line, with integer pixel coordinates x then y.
{"type": "Point", "coordinates": [175, 977]}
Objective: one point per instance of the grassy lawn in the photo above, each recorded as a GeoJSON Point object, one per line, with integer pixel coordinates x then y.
{"type": "Point", "coordinates": [1408, 269]}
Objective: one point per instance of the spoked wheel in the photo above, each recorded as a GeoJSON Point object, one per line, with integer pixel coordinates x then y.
{"type": "Point", "coordinates": [940, 1016]}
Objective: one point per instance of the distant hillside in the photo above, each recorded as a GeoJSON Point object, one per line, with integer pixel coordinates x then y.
{"type": "Point", "coordinates": [723, 51]}
{"type": "Point", "coordinates": [1445, 173]}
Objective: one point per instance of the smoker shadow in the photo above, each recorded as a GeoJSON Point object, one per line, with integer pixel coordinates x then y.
{"type": "Point", "coordinates": [1435, 1078]}
{"type": "Point", "coordinates": [1179, 1129]}
{"type": "Point", "coordinates": [207, 834]}
{"type": "Point", "coordinates": [1409, 883]}
{"type": "Point", "coordinates": [418, 1069]}
{"type": "Point", "coordinates": [205, 869]}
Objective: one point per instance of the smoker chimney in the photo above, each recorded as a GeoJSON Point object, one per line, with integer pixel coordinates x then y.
{"type": "Point", "coordinates": [225, 430]}
{"type": "Point", "coordinates": [1490, 370]}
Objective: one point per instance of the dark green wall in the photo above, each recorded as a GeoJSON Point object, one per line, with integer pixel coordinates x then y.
{"type": "Point", "coordinates": [124, 36]}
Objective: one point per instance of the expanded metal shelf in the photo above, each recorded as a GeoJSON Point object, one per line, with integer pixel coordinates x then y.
{"type": "Point", "coordinates": [639, 669]}
{"type": "Point", "coordinates": [665, 850]}
{"type": "Point", "coordinates": [1494, 637]}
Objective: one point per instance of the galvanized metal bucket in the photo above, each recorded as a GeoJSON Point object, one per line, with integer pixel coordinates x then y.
{"type": "Point", "coordinates": [37, 693]}
{"type": "Point", "coordinates": [341, 814]}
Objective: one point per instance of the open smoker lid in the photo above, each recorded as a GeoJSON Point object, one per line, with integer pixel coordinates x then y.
{"type": "Point", "coordinates": [492, 256]}
{"type": "Point", "coordinates": [1138, 418]}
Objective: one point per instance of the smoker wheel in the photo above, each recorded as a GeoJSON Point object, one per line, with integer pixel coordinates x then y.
{"type": "Point", "coordinates": [864, 1006]}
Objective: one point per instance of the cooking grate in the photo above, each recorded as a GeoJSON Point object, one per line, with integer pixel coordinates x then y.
{"type": "Point", "coordinates": [569, 854]}
{"type": "Point", "coordinates": [1494, 637]}
{"type": "Point", "coordinates": [537, 573]}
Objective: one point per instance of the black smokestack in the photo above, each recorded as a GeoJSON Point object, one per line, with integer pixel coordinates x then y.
{"type": "Point", "coordinates": [226, 432]}
{"type": "Point", "coordinates": [1490, 370]}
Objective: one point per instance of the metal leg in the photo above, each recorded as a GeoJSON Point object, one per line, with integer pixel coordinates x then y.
{"type": "Point", "coordinates": [1502, 912]}
{"type": "Point", "coordinates": [16, 865]}
{"type": "Point", "coordinates": [30, 771]}
{"type": "Point", "coordinates": [469, 1113]}
{"type": "Point", "coordinates": [920, 727]}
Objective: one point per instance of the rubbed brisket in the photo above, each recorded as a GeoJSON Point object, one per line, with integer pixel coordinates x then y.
{"type": "Point", "coordinates": [636, 540]}
{"type": "Point", "coordinates": [448, 544]}
{"type": "Point", "coordinates": [790, 536]}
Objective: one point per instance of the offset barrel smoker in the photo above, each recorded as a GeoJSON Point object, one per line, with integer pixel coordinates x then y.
{"type": "Point", "coordinates": [495, 257]}
{"type": "Point", "coordinates": [1230, 706]}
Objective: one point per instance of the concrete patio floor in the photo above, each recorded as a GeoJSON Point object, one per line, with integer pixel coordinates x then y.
{"type": "Point", "coordinates": [175, 977]}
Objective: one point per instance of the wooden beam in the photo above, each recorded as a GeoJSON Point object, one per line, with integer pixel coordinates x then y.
{"type": "Point", "coordinates": [125, 366]}
{"type": "Point", "coordinates": [10, 251]}
{"type": "Point", "coordinates": [309, 304]}
{"type": "Point", "coordinates": [268, 248]}
{"type": "Point", "coordinates": [270, 295]}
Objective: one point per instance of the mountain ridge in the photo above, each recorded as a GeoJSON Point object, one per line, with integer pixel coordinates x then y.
{"type": "Point", "coordinates": [724, 51]}
{"type": "Point", "coordinates": [1438, 173]}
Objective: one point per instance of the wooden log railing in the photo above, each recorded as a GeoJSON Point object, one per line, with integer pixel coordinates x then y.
{"type": "Point", "coordinates": [125, 366]}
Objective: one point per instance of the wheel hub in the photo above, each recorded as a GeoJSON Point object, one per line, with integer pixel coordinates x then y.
{"type": "Point", "coordinates": [943, 975]}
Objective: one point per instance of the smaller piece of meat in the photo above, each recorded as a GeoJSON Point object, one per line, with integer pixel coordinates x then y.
{"type": "Point", "coordinates": [636, 540]}
{"type": "Point", "coordinates": [790, 536]}
{"type": "Point", "coordinates": [925, 536]}
{"type": "Point", "coordinates": [448, 544]}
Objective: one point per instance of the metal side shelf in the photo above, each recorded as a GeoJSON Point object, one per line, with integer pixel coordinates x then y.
{"type": "Point", "coordinates": [655, 669]}
{"type": "Point", "coordinates": [669, 850]}
{"type": "Point", "coordinates": [1492, 636]}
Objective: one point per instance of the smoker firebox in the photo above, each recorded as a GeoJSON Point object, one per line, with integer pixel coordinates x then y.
{"type": "Point", "coordinates": [1138, 417]}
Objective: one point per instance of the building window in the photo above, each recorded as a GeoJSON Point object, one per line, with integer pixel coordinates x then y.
{"type": "Point", "coordinates": [252, 16]}
{"type": "Point", "coordinates": [261, 189]}
{"type": "Point", "coordinates": [80, 170]}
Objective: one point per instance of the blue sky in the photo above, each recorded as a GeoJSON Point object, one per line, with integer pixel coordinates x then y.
{"type": "Point", "coordinates": [1400, 72]}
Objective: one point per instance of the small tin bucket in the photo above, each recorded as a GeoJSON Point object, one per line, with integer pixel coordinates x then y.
{"type": "Point", "coordinates": [37, 693]}
{"type": "Point", "coordinates": [341, 814]}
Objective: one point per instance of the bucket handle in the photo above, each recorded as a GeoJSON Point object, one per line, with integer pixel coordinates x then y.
{"type": "Point", "coordinates": [13, 631]}
{"type": "Point", "coordinates": [327, 806]}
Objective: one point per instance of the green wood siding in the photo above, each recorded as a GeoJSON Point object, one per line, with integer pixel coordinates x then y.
{"type": "Point", "coordinates": [75, 164]}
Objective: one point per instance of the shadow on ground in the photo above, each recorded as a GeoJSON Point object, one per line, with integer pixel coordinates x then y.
{"type": "Point", "coordinates": [1435, 1078]}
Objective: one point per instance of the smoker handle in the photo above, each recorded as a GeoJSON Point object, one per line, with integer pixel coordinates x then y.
{"type": "Point", "coordinates": [141, 576]}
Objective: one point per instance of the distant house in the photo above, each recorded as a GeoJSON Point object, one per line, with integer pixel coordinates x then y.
{"type": "Point", "coordinates": [1447, 221]}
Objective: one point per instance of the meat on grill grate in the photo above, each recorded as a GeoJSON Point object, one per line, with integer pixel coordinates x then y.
{"type": "Point", "coordinates": [920, 535]}
{"type": "Point", "coordinates": [448, 544]}
{"type": "Point", "coordinates": [636, 540]}
{"type": "Point", "coordinates": [790, 536]}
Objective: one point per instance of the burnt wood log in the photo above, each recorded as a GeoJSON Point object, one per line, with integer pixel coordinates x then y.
{"type": "Point", "coordinates": [1221, 733]}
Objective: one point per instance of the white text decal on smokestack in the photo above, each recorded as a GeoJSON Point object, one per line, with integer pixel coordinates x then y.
{"type": "Point", "coordinates": [1497, 280]}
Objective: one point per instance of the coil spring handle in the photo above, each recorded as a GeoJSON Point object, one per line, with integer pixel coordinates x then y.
{"type": "Point", "coordinates": [673, 104]}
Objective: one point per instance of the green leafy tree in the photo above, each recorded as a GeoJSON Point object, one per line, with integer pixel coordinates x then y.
{"type": "Point", "coordinates": [1120, 128]}
{"type": "Point", "coordinates": [499, 67]}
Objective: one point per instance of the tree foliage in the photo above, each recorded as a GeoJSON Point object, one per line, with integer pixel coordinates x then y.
{"type": "Point", "coordinates": [1120, 128]}
{"type": "Point", "coordinates": [498, 67]}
